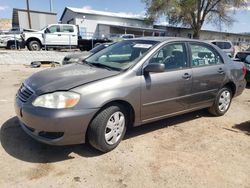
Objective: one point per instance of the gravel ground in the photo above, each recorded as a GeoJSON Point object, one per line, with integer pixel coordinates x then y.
{"type": "Point", "coordinates": [191, 150]}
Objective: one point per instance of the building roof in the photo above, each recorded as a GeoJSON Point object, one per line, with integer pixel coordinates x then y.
{"type": "Point", "coordinates": [133, 27]}
{"type": "Point", "coordinates": [102, 13]}
{"type": "Point", "coordinates": [33, 11]}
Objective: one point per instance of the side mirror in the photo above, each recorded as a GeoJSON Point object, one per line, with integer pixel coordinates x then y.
{"type": "Point", "coordinates": [247, 60]}
{"type": "Point", "coordinates": [46, 30]}
{"type": "Point", "coordinates": [154, 67]}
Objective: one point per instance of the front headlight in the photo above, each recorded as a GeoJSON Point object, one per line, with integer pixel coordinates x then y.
{"type": "Point", "coordinates": [57, 100]}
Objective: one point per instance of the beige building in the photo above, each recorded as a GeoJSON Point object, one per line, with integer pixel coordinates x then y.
{"type": "Point", "coordinates": [236, 38]}
{"type": "Point", "coordinates": [5, 24]}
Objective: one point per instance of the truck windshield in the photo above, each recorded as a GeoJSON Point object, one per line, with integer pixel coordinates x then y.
{"type": "Point", "coordinates": [121, 55]}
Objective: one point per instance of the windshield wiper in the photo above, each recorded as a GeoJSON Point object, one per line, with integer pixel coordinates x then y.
{"type": "Point", "coordinates": [88, 63]}
{"type": "Point", "coordinates": [105, 66]}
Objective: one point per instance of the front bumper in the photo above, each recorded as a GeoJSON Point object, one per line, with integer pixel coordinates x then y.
{"type": "Point", "coordinates": [52, 126]}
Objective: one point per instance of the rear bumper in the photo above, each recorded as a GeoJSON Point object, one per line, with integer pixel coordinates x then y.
{"type": "Point", "coordinates": [55, 127]}
{"type": "Point", "coordinates": [247, 77]}
{"type": "Point", "coordinates": [240, 88]}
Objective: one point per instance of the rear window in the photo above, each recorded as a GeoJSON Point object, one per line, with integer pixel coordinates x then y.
{"type": "Point", "coordinates": [67, 29]}
{"type": "Point", "coordinates": [223, 45]}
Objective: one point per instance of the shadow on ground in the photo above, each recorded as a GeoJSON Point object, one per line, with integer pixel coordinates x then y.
{"type": "Point", "coordinates": [19, 145]}
{"type": "Point", "coordinates": [248, 85]}
{"type": "Point", "coordinates": [244, 127]}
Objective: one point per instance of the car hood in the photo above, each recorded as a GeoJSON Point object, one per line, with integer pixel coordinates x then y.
{"type": "Point", "coordinates": [66, 78]}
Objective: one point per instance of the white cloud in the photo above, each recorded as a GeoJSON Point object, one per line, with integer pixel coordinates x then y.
{"type": "Point", "coordinates": [242, 8]}
{"type": "Point", "coordinates": [3, 7]}
{"type": "Point", "coordinates": [87, 7]}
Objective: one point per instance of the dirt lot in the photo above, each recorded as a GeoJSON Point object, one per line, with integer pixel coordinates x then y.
{"type": "Point", "coordinates": [192, 150]}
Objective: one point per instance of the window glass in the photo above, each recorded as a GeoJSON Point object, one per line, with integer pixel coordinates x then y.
{"type": "Point", "coordinates": [203, 56]}
{"type": "Point", "coordinates": [223, 45]}
{"type": "Point", "coordinates": [67, 29]}
{"type": "Point", "coordinates": [53, 29]}
{"type": "Point", "coordinates": [121, 55]}
{"type": "Point", "coordinates": [173, 56]}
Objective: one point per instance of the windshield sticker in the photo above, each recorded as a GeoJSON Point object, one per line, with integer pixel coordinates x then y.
{"type": "Point", "coordinates": [142, 46]}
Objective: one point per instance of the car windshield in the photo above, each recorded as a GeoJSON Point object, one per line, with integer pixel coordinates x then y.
{"type": "Point", "coordinates": [121, 55]}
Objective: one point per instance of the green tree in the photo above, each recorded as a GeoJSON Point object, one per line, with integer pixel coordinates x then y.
{"type": "Point", "coordinates": [193, 13]}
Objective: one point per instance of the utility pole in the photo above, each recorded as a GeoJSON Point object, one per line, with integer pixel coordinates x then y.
{"type": "Point", "coordinates": [51, 5]}
{"type": "Point", "coordinates": [28, 12]}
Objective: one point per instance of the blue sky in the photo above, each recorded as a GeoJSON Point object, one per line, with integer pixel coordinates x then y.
{"type": "Point", "coordinates": [130, 6]}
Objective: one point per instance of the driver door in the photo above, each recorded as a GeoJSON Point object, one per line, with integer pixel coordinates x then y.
{"type": "Point", "coordinates": [167, 93]}
{"type": "Point", "coordinates": [52, 35]}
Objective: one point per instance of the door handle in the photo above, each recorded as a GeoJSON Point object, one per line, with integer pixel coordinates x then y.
{"type": "Point", "coordinates": [59, 35]}
{"type": "Point", "coordinates": [221, 71]}
{"type": "Point", "coordinates": [186, 76]}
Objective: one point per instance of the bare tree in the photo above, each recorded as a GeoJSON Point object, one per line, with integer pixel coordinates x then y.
{"type": "Point", "coordinates": [193, 13]}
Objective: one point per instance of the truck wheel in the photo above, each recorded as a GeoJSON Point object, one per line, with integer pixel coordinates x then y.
{"type": "Point", "coordinates": [222, 102]}
{"type": "Point", "coordinates": [34, 45]}
{"type": "Point", "coordinates": [108, 128]}
{"type": "Point", "coordinates": [11, 45]}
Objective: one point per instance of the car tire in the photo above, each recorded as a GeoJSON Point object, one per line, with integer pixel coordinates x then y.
{"type": "Point", "coordinates": [222, 102]}
{"type": "Point", "coordinates": [108, 128]}
{"type": "Point", "coordinates": [34, 45]}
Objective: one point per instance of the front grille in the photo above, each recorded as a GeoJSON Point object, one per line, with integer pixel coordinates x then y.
{"type": "Point", "coordinates": [24, 93]}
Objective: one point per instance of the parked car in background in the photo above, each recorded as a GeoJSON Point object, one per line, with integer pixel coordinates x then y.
{"type": "Point", "coordinates": [12, 39]}
{"type": "Point", "coordinates": [247, 63]}
{"type": "Point", "coordinates": [244, 57]}
{"type": "Point", "coordinates": [127, 36]}
{"type": "Point", "coordinates": [59, 36]}
{"type": "Point", "coordinates": [130, 83]}
{"type": "Point", "coordinates": [226, 46]}
{"type": "Point", "coordinates": [80, 56]}
{"type": "Point", "coordinates": [54, 35]}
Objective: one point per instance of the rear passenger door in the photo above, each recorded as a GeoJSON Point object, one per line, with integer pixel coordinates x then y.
{"type": "Point", "coordinates": [68, 35]}
{"type": "Point", "coordinates": [208, 71]}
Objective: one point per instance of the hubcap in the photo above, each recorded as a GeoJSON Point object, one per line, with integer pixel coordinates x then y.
{"type": "Point", "coordinates": [224, 101]}
{"type": "Point", "coordinates": [114, 128]}
{"type": "Point", "coordinates": [35, 47]}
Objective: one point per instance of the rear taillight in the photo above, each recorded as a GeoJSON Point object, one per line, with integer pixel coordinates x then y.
{"type": "Point", "coordinates": [244, 69]}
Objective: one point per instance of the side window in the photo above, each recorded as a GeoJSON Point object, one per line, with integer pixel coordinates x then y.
{"type": "Point", "coordinates": [53, 29]}
{"type": "Point", "coordinates": [203, 56]}
{"type": "Point", "coordinates": [67, 29]}
{"type": "Point", "coordinates": [173, 56]}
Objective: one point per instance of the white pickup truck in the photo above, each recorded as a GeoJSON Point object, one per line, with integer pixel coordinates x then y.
{"type": "Point", "coordinates": [54, 36]}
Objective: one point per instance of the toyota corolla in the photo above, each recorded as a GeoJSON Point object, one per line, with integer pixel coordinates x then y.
{"type": "Point", "coordinates": [130, 83]}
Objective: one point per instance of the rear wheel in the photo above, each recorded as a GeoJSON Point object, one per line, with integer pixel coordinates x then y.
{"type": "Point", "coordinates": [222, 102]}
{"type": "Point", "coordinates": [108, 128]}
{"type": "Point", "coordinates": [34, 45]}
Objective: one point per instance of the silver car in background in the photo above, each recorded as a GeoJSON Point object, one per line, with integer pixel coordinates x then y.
{"type": "Point", "coordinates": [225, 46]}
{"type": "Point", "coordinates": [130, 83]}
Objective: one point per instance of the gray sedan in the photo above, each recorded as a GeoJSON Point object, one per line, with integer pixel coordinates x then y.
{"type": "Point", "coordinates": [130, 83]}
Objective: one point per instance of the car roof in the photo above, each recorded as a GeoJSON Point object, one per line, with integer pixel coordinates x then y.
{"type": "Point", "coordinates": [165, 39]}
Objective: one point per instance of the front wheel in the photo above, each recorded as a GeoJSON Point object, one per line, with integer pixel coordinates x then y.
{"type": "Point", "coordinates": [108, 128]}
{"type": "Point", "coordinates": [222, 102]}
